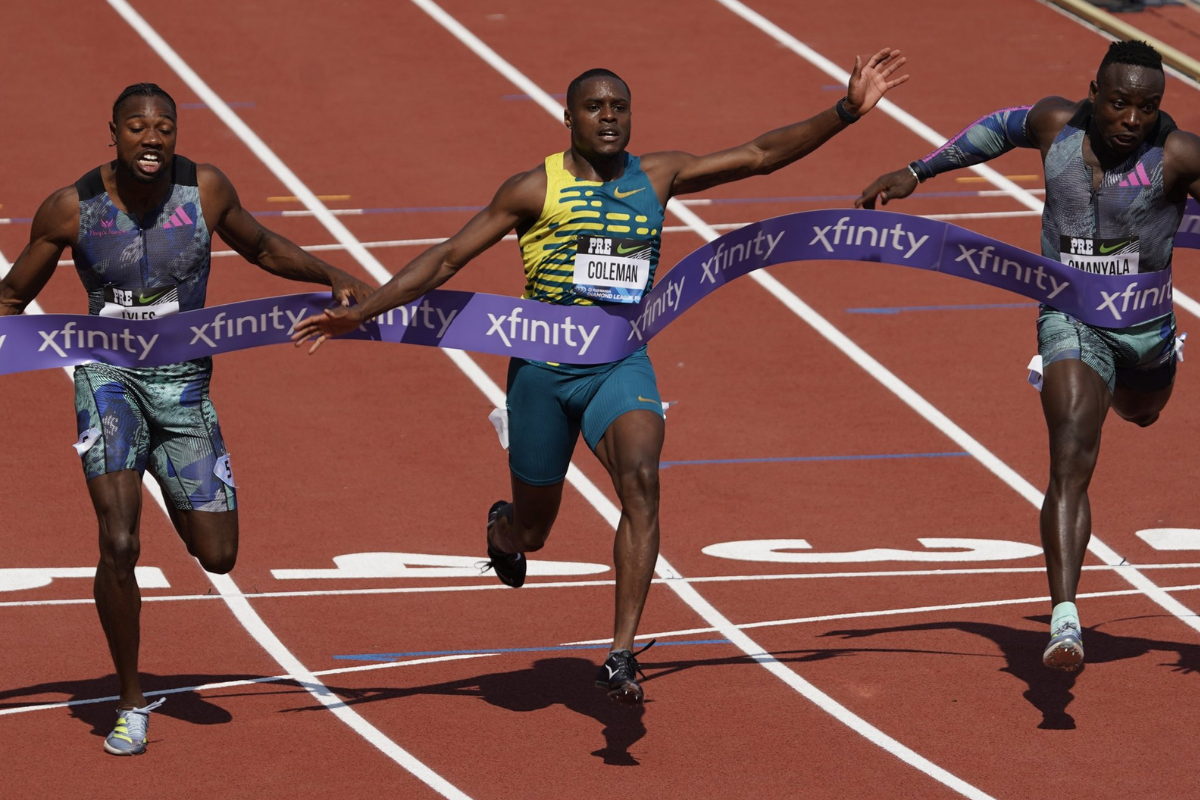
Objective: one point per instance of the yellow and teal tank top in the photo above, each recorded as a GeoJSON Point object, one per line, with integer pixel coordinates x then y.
{"type": "Point", "coordinates": [595, 242]}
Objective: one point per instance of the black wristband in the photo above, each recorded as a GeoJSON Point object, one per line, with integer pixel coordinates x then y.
{"type": "Point", "coordinates": [845, 115]}
{"type": "Point", "coordinates": [920, 171]}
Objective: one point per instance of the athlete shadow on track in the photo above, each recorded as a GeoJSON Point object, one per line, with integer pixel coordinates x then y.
{"type": "Point", "coordinates": [1048, 691]}
{"type": "Point", "coordinates": [549, 682]}
{"type": "Point", "coordinates": [187, 706]}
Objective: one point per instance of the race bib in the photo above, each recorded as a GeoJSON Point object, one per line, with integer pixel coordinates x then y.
{"type": "Point", "coordinates": [161, 301]}
{"type": "Point", "coordinates": [1100, 256]}
{"type": "Point", "coordinates": [613, 270]}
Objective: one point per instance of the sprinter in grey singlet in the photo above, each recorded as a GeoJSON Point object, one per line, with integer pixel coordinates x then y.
{"type": "Point", "coordinates": [139, 230]}
{"type": "Point", "coordinates": [1118, 173]}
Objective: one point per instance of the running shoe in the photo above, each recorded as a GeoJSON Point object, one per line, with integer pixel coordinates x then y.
{"type": "Point", "coordinates": [619, 673]}
{"type": "Point", "coordinates": [509, 567]}
{"type": "Point", "coordinates": [128, 738]}
{"type": "Point", "coordinates": [1065, 651]}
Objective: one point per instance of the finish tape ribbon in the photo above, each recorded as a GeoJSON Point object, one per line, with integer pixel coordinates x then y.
{"type": "Point", "coordinates": [486, 323]}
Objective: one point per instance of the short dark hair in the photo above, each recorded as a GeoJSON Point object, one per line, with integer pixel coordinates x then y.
{"type": "Point", "coordinates": [599, 72]}
{"type": "Point", "coordinates": [1134, 53]}
{"type": "Point", "coordinates": [142, 90]}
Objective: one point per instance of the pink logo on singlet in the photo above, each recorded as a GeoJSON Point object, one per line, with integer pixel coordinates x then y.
{"type": "Point", "coordinates": [178, 219]}
{"type": "Point", "coordinates": [108, 227]}
{"type": "Point", "coordinates": [1137, 177]}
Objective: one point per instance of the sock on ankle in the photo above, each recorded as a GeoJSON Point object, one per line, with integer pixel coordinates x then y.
{"type": "Point", "coordinates": [1062, 613]}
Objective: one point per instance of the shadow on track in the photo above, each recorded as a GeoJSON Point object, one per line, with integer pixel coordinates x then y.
{"type": "Point", "coordinates": [1048, 691]}
{"type": "Point", "coordinates": [187, 706]}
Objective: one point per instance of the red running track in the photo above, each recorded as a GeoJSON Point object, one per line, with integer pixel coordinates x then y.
{"type": "Point", "coordinates": [367, 449]}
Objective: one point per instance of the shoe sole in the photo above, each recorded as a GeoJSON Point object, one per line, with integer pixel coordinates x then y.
{"type": "Point", "coordinates": [1064, 657]}
{"type": "Point", "coordinates": [629, 694]}
{"type": "Point", "coordinates": [115, 752]}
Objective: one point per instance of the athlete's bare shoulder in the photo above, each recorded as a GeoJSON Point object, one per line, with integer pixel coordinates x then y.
{"type": "Point", "coordinates": [1181, 161]}
{"type": "Point", "coordinates": [523, 193]}
{"type": "Point", "coordinates": [1049, 116]}
{"type": "Point", "coordinates": [57, 219]}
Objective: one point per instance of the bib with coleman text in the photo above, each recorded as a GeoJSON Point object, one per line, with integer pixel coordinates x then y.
{"type": "Point", "coordinates": [613, 270]}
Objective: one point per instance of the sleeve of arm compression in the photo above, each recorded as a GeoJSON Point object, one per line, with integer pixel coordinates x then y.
{"type": "Point", "coordinates": [982, 140]}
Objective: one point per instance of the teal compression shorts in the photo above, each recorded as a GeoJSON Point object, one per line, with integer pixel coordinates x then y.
{"type": "Point", "coordinates": [549, 404]}
{"type": "Point", "coordinates": [1140, 359]}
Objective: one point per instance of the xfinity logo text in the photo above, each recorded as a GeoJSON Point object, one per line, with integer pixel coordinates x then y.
{"type": "Point", "coordinates": [982, 260]}
{"type": "Point", "coordinates": [69, 337]}
{"type": "Point", "coordinates": [420, 315]}
{"type": "Point", "coordinates": [521, 329]}
{"type": "Point", "coordinates": [656, 309]}
{"type": "Point", "coordinates": [902, 240]}
{"type": "Point", "coordinates": [226, 327]}
{"type": "Point", "coordinates": [723, 259]}
{"type": "Point", "coordinates": [1133, 300]}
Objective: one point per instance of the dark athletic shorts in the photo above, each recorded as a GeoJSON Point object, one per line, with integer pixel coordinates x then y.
{"type": "Point", "coordinates": [160, 418]}
{"type": "Point", "coordinates": [549, 404]}
{"type": "Point", "coordinates": [1140, 358]}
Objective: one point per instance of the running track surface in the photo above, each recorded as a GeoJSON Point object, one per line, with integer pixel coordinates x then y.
{"type": "Point", "coordinates": [890, 690]}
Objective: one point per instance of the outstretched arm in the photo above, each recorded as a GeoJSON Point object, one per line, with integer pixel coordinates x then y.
{"type": "Point", "coordinates": [519, 199]}
{"type": "Point", "coordinates": [982, 140]}
{"type": "Point", "coordinates": [55, 226]}
{"type": "Point", "coordinates": [681, 173]}
{"type": "Point", "coordinates": [267, 249]}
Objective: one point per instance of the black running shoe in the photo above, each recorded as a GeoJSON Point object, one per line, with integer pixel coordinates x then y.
{"type": "Point", "coordinates": [619, 675]}
{"type": "Point", "coordinates": [509, 567]}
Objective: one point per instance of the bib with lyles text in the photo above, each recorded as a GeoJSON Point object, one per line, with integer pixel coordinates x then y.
{"type": "Point", "coordinates": [161, 301]}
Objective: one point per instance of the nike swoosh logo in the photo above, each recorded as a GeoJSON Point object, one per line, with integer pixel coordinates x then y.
{"type": "Point", "coordinates": [647, 399]}
{"type": "Point", "coordinates": [622, 249]}
{"type": "Point", "coordinates": [611, 671]}
{"type": "Point", "coordinates": [143, 299]}
{"type": "Point", "coordinates": [621, 194]}
{"type": "Point", "coordinates": [1105, 250]}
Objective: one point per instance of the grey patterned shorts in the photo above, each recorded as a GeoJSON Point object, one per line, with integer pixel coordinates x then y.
{"type": "Point", "coordinates": [1140, 359]}
{"type": "Point", "coordinates": [160, 418]}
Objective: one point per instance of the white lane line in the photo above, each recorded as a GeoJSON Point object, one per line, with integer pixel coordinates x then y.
{"type": "Point", "coordinates": [225, 585]}
{"type": "Point", "coordinates": [612, 514]}
{"type": "Point", "coordinates": [891, 612]}
{"type": "Point", "coordinates": [208, 687]}
{"type": "Point", "coordinates": [489, 587]}
{"type": "Point", "coordinates": [888, 107]}
{"type": "Point", "coordinates": [935, 417]}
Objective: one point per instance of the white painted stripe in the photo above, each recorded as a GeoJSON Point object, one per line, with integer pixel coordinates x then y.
{"type": "Point", "coordinates": [935, 417]}
{"type": "Point", "coordinates": [208, 687]}
{"type": "Point", "coordinates": [612, 514]}
{"type": "Point", "coordinates": [890, 612]}
{"type": "Point", "coordinates": [491, 586]}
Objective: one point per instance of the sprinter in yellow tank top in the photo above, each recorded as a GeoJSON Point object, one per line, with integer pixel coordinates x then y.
{"type": "Point", "coordinates": [595, 197]}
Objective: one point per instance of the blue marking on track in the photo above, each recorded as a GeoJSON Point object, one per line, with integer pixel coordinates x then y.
{"type": "Point", "coordinates": [903, 309]}
{"type": "Point", "coordinates": [791, 459]}
{"type": "Point", "coordinates": [558, 648]}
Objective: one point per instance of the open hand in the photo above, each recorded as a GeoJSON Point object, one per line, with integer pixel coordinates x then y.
{"type": "Point", "coordinates": [868, 84]}
{"type": "Point", "coordinates": [333, 322]}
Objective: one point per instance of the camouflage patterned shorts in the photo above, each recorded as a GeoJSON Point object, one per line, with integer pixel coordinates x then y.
{"type": "Point", "coordinates": [159, 418]}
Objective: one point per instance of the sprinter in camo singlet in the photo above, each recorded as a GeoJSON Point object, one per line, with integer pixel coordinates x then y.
{"type": "Point", "coordinates": [138, 228]}
{"type": "Point", "coordinates": [1118, 172]}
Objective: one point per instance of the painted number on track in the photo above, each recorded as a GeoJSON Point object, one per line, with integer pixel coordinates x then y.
{"type": "Point", "coordinates": [419, 565]}
{"type": "Point", "coordinates": [785, 551]}
{"type": "Point", "coordinates": [19, 579]}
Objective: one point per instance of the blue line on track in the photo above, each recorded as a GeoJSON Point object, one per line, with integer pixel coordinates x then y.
{"type": "Point", "coordinates": [558, 648]}
{"type": "Point", "coordinates": [902, 309]}
{"type": "Point", "coordinates": [791, 459]}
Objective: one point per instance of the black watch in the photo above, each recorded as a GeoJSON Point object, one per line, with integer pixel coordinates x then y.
{"type": "Point", "coordinates": [845, 115]}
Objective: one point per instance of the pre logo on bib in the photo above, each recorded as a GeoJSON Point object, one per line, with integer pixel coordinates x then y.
{"type": "Point", "coordinates": [161, 301]}
{"type": "Point", "coordinates": [1100, 256]}
{"type": "Point", "coordinates": [613, 270]}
